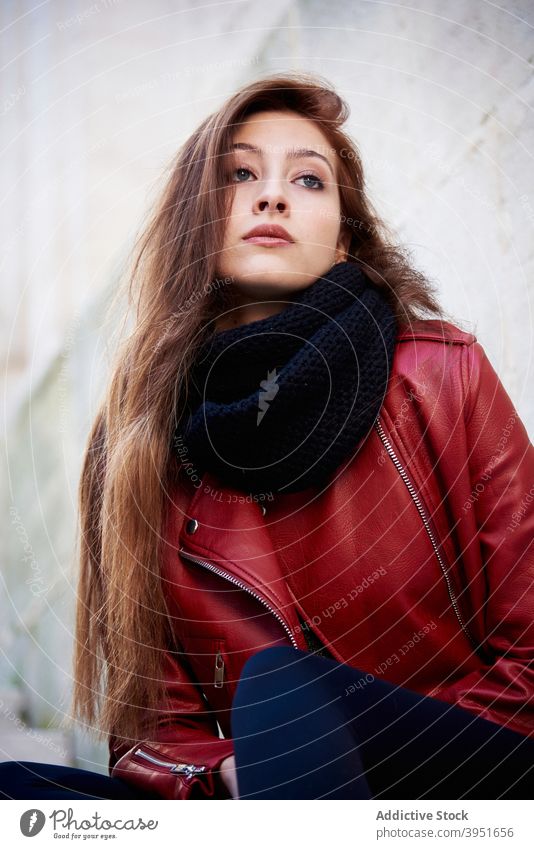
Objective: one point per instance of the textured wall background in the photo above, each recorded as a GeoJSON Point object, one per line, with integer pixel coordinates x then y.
{"type": "Point", "coordinates": [95, 99]}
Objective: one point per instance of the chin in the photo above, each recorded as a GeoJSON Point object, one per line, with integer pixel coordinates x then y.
{"type": "Point", "coordinates": [277, 272]}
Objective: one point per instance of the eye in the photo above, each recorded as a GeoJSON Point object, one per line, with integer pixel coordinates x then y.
{"type": "Point", "coordinates": [317, 180]}
{"type": "Point", "coordinates": [241, 171]}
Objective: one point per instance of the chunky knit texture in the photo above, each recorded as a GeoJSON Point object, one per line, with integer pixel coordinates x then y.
{"type": "Point", "coordinates": [279, 403]}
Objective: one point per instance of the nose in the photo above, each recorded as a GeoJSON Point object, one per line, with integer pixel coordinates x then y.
{"type": "Point", "coordinates": [271, 196]}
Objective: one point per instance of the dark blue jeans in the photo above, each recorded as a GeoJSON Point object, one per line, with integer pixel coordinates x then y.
{"type": "Point", "coordinates": [305, 727]}
{"type": "Point", "coordinates": [32, 780]}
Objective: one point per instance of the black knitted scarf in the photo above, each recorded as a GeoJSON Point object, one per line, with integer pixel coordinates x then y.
{"type": "Point", "coordinates": [279, 403]}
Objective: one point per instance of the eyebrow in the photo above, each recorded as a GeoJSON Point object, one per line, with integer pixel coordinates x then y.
{"type": "Point", "coordinates": [294, 153]}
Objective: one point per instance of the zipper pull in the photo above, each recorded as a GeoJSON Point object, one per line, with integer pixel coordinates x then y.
{"type": "Point", "coordinates": [189, 770]}
{"type": "Point", "coordinates": [219, 670]}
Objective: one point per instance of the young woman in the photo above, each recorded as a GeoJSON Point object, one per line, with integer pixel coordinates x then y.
{"type": "Point", "coordinates": [306, 560]}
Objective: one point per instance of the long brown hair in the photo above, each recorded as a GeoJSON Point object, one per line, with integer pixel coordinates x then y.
{"type": "Point", "coordinates": [122, 622]}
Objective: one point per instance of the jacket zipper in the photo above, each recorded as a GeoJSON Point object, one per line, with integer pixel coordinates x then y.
{"type": "Point", "coordinates": [219, 670]}
{"type": "Point", "coordinates": [426, 523]}
{"type": "Point", "coordinates": [188, 769]}
{"type": "Point", "coordinates": [243, 586]}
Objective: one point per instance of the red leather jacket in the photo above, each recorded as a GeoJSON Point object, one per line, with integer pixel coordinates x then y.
{"type": "Point", "coordinates": [416, 564]}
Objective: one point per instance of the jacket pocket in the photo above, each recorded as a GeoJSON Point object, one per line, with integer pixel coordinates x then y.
{"type": "Point", "coordinates": [151, 757]}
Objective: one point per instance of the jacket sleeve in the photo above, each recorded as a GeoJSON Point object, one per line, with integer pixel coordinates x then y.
{"type": "Point", "coordinates": [182, 758]}
{"type": "Point", "coordinates": [501, 466]}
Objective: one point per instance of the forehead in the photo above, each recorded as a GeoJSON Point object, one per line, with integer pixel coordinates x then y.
{"type": "Point", "coordinates": [289, 128]}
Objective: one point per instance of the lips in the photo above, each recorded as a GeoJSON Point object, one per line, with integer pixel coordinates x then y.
{"type": "Point", "coordinates": [268, 234]}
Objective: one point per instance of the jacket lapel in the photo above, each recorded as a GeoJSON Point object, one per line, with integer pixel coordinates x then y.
{"type": "Point", "coordinates": [228, 531]}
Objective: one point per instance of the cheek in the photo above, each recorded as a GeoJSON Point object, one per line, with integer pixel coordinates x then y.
{"type": "Point", "coordinates": [238, 211]}
{"type": "Point", "coordinates": [322, 206]}
{"type": "Point", "coordinates": [323, 227]}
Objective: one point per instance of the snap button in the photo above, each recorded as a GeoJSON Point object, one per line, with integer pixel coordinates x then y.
{"type": "Point", "coordinates": [191, 526]}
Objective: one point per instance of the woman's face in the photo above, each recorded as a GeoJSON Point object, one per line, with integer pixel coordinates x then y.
{"type": "Point", "coordinates": [284, 171]}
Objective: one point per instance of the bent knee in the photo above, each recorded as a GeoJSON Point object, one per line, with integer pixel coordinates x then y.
{"type": "Point", "coordinates": [269, 660]}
